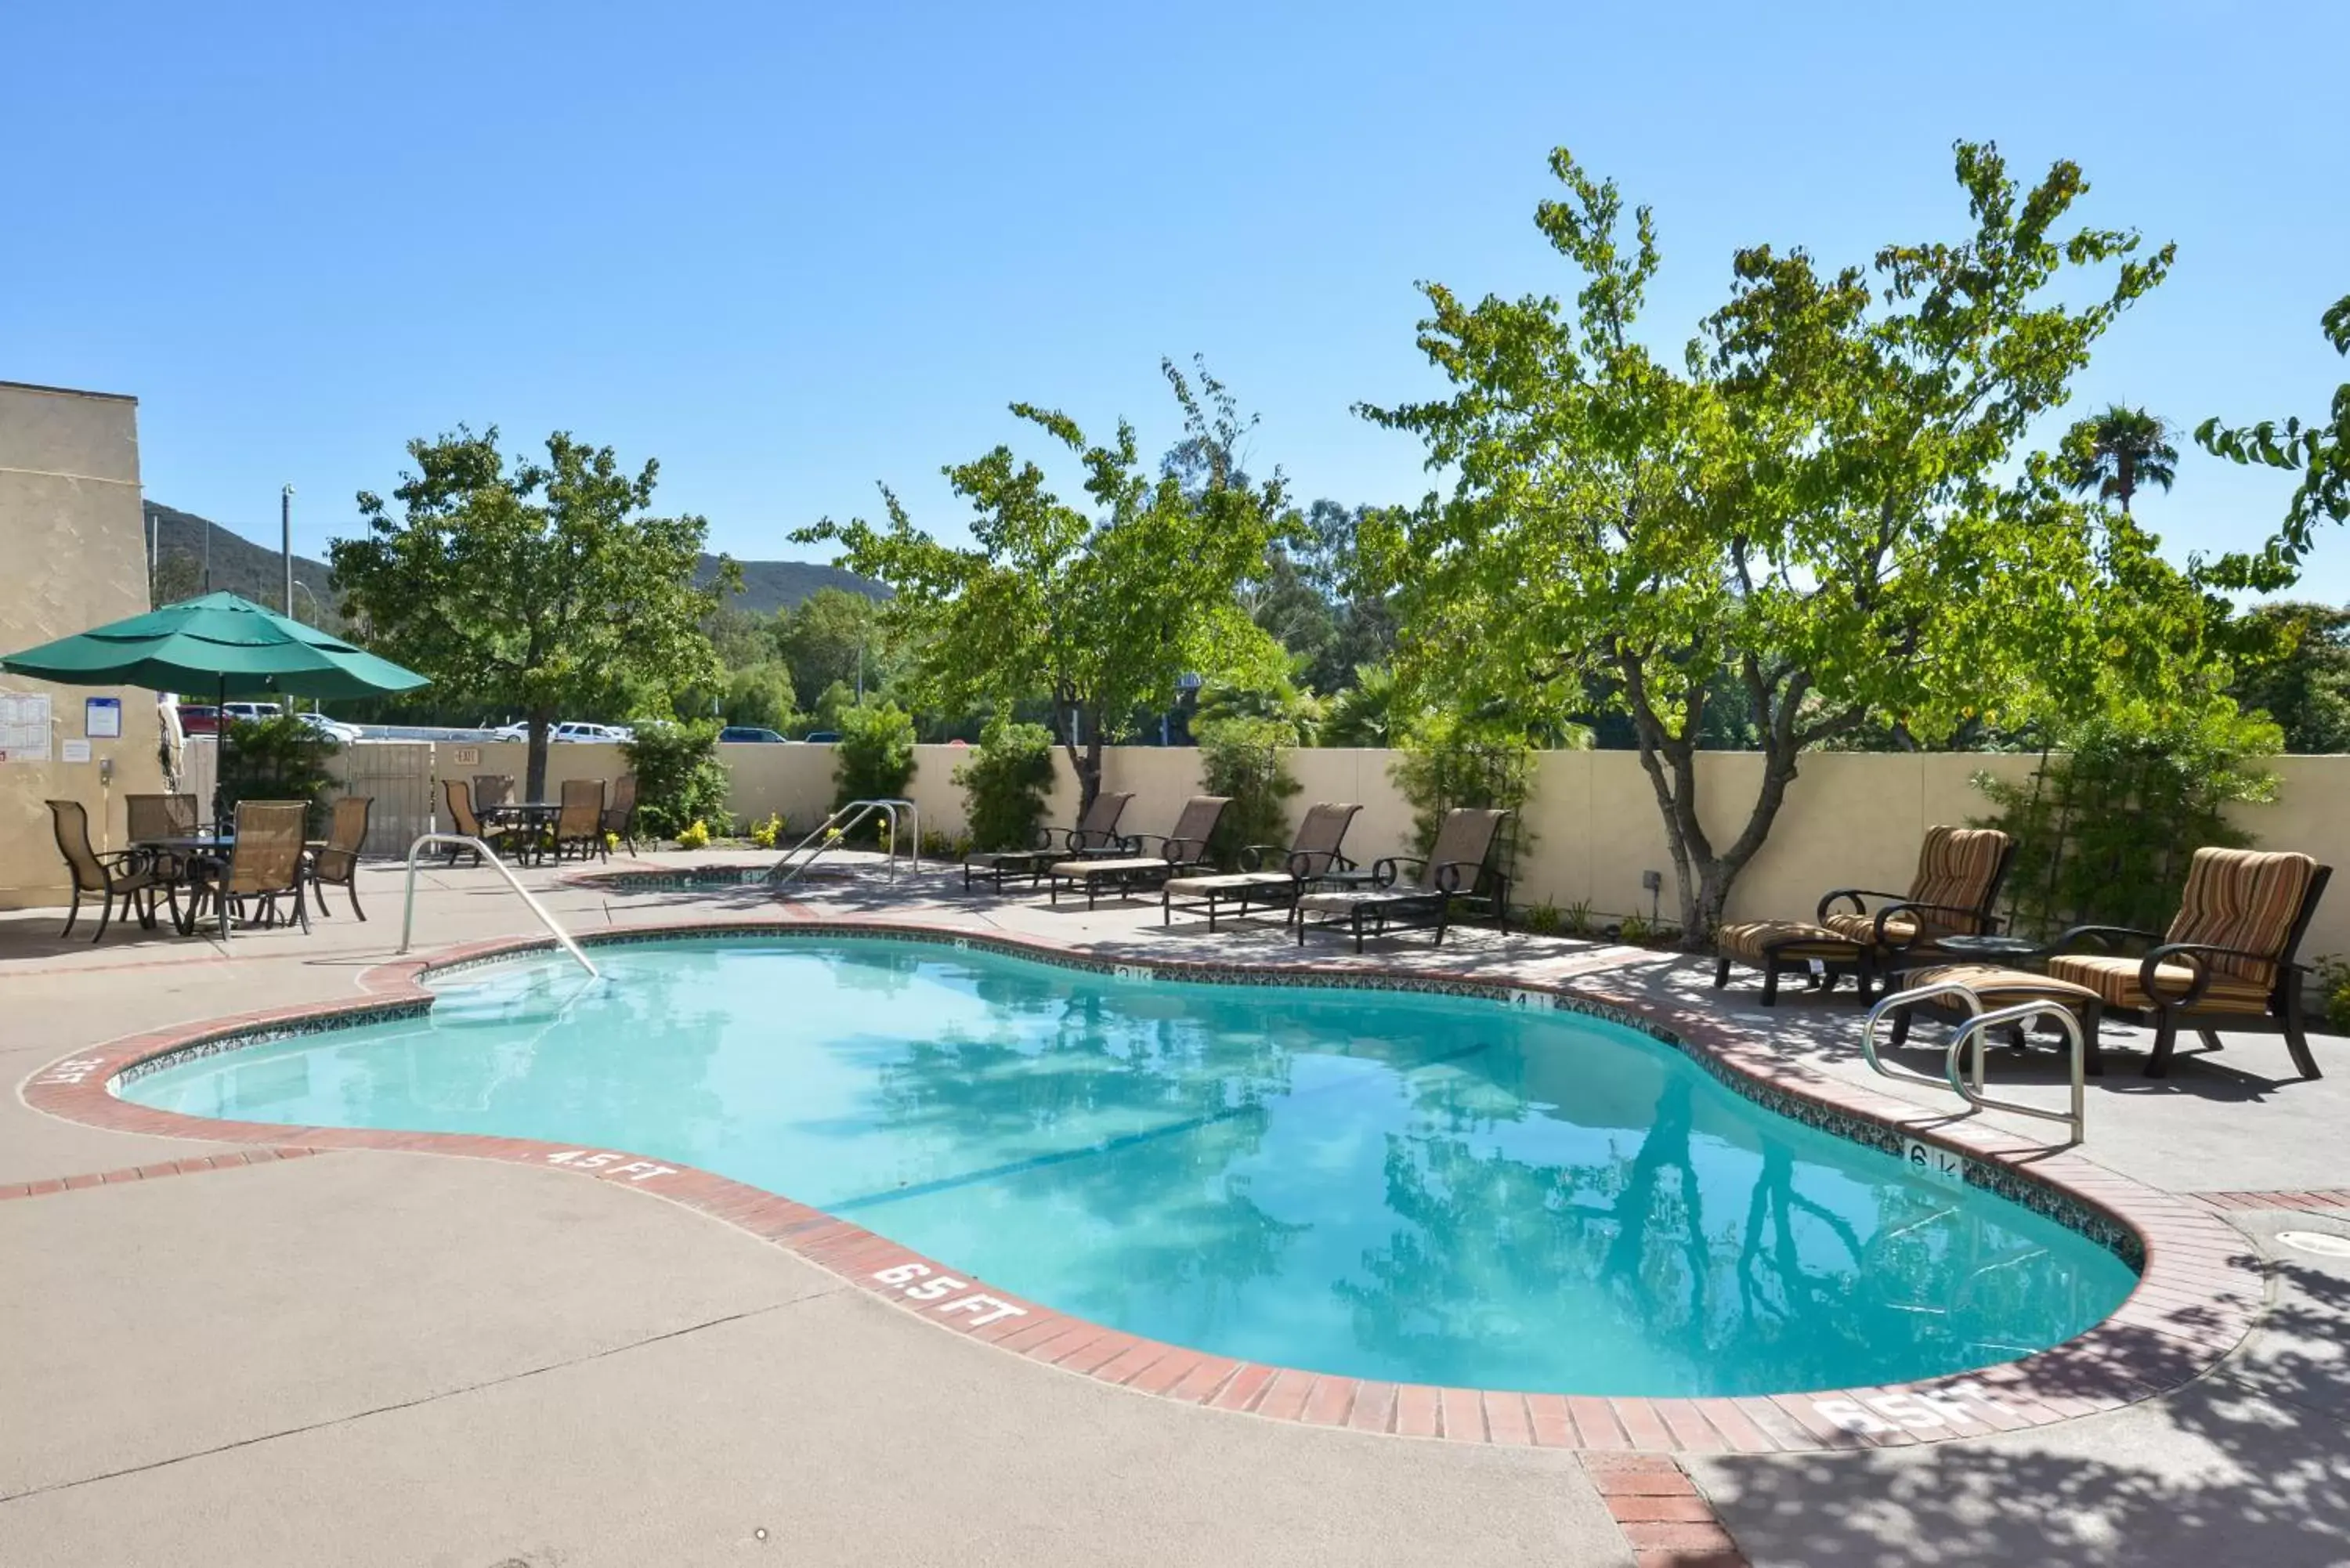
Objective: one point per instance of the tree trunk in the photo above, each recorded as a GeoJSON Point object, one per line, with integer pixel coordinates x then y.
{"type": "Point", "coordinates": [535, 767]}
{"type": "Point", "coordinates": [1703, 876]}
{"type": "Point", "coordinates": [1085, 761]}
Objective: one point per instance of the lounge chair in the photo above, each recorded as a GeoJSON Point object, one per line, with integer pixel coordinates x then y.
{"type": "Point", "coordinates": [336, 862]}
{"type": "Point", "coordinates": [1453, 871]}
{"type": "Point", "coordinates": [130, 876]}
{"type": "Point", "coordinates": [1180, 850]}
{"type": "Point", "coordinates": [1095, 834]}
{"type": "Point", "coordinates": [579, 826]}
{"type": "Point", "coordinates": [620, 811]}
{"type": "Point", "coordinates": [2228, 960]}
{"type": "Point", "coordinates": [1959, 873]}
{"type": "Point", "coordinates": [1312, 854]}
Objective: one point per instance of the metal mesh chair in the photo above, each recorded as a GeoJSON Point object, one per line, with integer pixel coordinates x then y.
{"type": "Point", "coordinates": [336, 863]}
{"type": "Point", "coordinates": [579, 828]}
{"type": "Point", "coordinates": [124, 876]}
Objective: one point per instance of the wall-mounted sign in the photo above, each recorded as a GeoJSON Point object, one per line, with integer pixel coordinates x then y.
{"type": "Point", "coordinates": [102, 718]}
{"type": "Point", "coordinates": [468, 756]}
{"type": "Point", "coordinates": [23, 727]}
{"type": "Point", "coordinates": [73, 751]}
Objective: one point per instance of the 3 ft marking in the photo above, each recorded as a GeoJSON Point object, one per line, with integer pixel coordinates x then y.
{"type": "Point", "coordinates": [1913, 1412]}
{"type": "Point", "coordinates": [921, 1282]}
{"type": "Point", "coordinates": [72, 1070]}
{"type": "Point", "coordinates": [1135, 972]}
{"type": "Point", "coordinates": [591, 1160]}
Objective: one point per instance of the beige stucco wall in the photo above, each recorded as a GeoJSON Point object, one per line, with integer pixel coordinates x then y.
{"type": "Point", "coordinates": [72, 556]}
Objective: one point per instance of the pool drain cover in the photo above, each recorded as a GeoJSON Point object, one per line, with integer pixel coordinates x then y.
{"type": "Point", "coordinates": [2322, 1243]}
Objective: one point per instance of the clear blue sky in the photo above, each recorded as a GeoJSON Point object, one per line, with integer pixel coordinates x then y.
{"type": "Point", "coordinates": [794, 250]}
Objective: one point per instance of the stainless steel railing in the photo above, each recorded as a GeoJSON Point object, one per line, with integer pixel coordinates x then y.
{"type": "Point", "coordinates": [489, 857]}
{"type": "Point", "coordinates": [905, 835]}
{"type": "Point", "coordinates": [1979, 1021]}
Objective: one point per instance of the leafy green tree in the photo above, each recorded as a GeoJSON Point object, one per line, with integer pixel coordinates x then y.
{"type": "Point", "coordinates": [2319, 453]}
{"type": "Point", "coordinates": [1370, 712]}
{"type": "Point", "coordinates": [761, 695]}
{"type": "Point", "coordinates": [2304, 686]}
{"type": "Point", "coordinates": [2115, 452]}
{"type": "Point", "coordinates": [1103, 613]}
{"type": "Point", "coordinates": [835, 636]}
{"type": "Point", "coordinates": [543, 588]}
{"type": "Point", "coordinates": [1829, 499]}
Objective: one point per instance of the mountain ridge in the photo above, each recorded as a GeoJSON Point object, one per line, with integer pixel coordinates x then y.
{"type": "Point", "coordinates": [240, 566]}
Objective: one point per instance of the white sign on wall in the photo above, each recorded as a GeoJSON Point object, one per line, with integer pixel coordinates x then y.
{"type": "Point", "coordinates": [102, 718]}
{"type": "Point", "coordinates": [23, 727]}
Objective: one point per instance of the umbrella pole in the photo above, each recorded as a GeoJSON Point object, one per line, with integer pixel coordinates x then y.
{"type": "Point", "coordinates": [219, 748]}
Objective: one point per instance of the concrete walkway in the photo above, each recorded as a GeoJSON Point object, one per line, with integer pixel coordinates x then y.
{"type": "Point", "coordinates": [368, 1357]}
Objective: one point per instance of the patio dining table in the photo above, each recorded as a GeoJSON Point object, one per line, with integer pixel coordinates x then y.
{"type": "Point", "coordinates": [535, 819]}
{"type": "Point", "coordinates": [194, 854]}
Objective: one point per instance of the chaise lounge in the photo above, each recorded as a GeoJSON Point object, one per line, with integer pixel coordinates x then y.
{"type": "Point", "coordinates": [1959, 870]}
{"type": "Point", "coordinates": [1312, 855]}
{"type": "Point", "coordinates": [1455, 870]}
{"type": "Point", "coordinates": [1095, 834]}
{"type": "Point", "coordinates": [1180, 850]}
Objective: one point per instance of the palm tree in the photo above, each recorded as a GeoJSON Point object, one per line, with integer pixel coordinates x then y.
{"type": "Point", "coordinates": [2115, 452]}
{"type": "Point", "coordinates": [1363, 714]}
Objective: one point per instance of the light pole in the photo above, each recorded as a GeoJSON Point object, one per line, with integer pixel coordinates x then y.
{"type": "Point", "coordinates": [286, 542]}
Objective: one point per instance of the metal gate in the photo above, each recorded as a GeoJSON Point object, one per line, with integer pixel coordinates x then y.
{"type": "Point", "coordinates": [398, 775]}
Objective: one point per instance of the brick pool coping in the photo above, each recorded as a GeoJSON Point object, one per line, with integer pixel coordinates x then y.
{"type": "Point", "coordinates": [2199, 1292]}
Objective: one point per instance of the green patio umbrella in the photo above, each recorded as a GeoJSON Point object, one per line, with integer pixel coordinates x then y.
{"type": "Point", "coordinates": [229, 644]}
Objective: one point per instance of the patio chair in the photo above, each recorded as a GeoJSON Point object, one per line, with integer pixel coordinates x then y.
{"type": "Point", "coordinates": [129, 877]}
{"type": "Point", "coordinates": [161, 816]}
{"type": "Point", "coordinates": [620, 811]}
{"type": "Point", "coordinates": [1455, 870]}
{"type": "Point", "coordinates": [493, 789]}
{"type": "Point", "coordinates": [1095, 834]}
{"type": "Point", "coordinates": [1180, 850]}
{"type": "Point", "coordinates": [579, 828]}
{"type": "Point", "coordinates": [1312, 854]}
{"type": "Point", "coordinates": [2228, 962]}
{"type": "Point", "coordinates": [336, 863]}
{"type": "Point", "coordinates": [264, 865]}
{"type": "Point", "coordinates": [1959, 870]}
{"type": "Point", "coordinates": [460, 801]}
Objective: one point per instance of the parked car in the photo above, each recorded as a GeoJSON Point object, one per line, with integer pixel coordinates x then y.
{"type": "Point", "coordinates": [742, 732]}
{"type": "Point", "coordinates": [199, 719]}
{"type": "Point", "coordinates": [252, 713]}
{"type": "Point", "coordinates": [821, 737]}
{"type": "Point", "coordinates": [342, 734]}
{"type": "Point", "coordinates": [575, 730]}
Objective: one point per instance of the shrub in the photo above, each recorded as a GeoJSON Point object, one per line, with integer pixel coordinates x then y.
{"type": "Point", "coordinates": [874, 758]}
{"type": "Point", "coordinates": [695, 835]}
{"type": "Point", "coordinates": [2105, 827]}
{"type": "Point", "coordinates": [2330, 983]}
{"type": "Point", "coordinates": [278, 759]}
{"type": "Point", "coordinates": [1241, 758]}
{"type": "Point", "coordinates": [766, 834]}
{"type": "Point", "coordinates": [1005, 782]}
{"type": "Point", "coordinates": [1543, 919]}
{"type": "Point", "coordinates": [680, 781]}
{"type": "Point", "coordinates": [1447, 762]}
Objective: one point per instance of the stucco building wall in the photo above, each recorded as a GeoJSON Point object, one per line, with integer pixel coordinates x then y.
{"type": "Point", "coordinates": [72, 555]}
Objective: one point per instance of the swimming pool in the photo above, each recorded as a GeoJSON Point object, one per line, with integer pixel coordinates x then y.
{"type": "Point", "coordinates": [1387, 1184]}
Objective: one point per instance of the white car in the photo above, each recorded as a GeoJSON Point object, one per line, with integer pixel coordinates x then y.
{"type": "Point", "coordinates": [341, 734]}
{"type": "Point", "coordinates": [575, 730]}
{"type": "Point", "coordinates": [250, 712]}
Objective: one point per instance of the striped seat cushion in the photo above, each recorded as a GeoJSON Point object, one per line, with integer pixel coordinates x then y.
{"type": "Point", "coordinates": [1955, 868]}
{"type": "Point", "coordinates": [2001, 986]}
{"type": "Point", "coordinates": [1754, 941]}
{"type": "Point", "coordinates": [2114, 977]}
{"type": "Point", "coordinates": [2246, 899]}
{"type": "Point", "coordinates": [1900, 928]}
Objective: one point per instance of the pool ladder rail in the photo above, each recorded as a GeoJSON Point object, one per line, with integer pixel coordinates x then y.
{"type": "Point", "coordinates": [489, 857]}
{"type": "Point", "coordinates": [905, 834]}
{"type": "Point", "coordinates": [1978, 1024]}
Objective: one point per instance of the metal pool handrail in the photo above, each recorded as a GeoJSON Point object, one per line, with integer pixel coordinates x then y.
{"type": "Point", "coordinates": [1973, 1029]}
{"type": "Point", "coordinates": [489, 858]}
{"type": "Point", "coordinates": [908, 833]}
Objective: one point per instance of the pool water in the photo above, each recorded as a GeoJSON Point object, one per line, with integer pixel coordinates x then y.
{"type": "Point", "coordinates": [1392, 1186]}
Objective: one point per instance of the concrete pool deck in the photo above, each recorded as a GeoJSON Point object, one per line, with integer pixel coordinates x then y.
{"type": "Point", "coordinates": [503, 1363]}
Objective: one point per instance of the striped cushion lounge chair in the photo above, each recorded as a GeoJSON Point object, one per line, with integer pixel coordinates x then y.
{"type": "Point", "coordinates": [1959, 873]}
{"type": "Point", "coordinates": [1313, 853]}
{"type": "Point", "coordinates": [1181, 850]}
